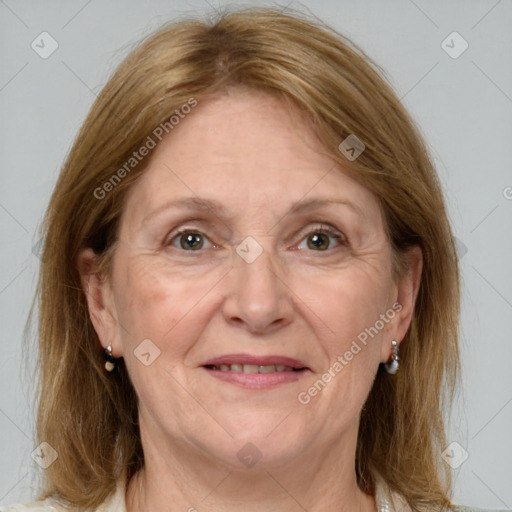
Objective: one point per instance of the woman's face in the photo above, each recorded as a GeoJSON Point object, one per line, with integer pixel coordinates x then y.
{"type": "Point", "coordinates": [244, 251]}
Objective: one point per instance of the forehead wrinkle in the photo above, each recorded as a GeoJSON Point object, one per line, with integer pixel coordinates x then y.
{"type": "Point", "coordinates": [191, 203]}
{"type": "Point", "coordinates": [218, 209]}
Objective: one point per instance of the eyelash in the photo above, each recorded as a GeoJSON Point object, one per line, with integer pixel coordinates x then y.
{"type": "Point", "coordinates": [329, 231]}
{"type": "Point", "coordinates": [318, 229]}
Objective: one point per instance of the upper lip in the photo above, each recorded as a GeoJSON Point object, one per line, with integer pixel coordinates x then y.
{"type": "Point", "coordinates": [256, 360]}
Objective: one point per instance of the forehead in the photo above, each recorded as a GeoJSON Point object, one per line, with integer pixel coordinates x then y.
{"type": "Point", "coordinates": [244, 149]}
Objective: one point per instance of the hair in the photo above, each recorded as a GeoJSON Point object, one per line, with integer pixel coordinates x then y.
{"type": "Point", "coordinates": [89, 417]}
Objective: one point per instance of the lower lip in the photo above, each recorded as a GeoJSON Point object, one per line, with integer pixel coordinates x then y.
{"type": "Point", "coordinates": [257, 380]}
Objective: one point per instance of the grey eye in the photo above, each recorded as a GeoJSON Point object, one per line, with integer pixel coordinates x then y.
{"type": "Point", "coordinates": [189, 241]}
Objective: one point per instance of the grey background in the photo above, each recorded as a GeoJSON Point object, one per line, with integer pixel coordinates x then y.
{"type": "Point", "coordinates": [463, 106]}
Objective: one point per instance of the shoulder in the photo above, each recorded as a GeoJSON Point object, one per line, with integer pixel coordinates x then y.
{"type": "Point", "coordinates": [37, 506]}
{"type": "Point", "coordinates": [460, 508]}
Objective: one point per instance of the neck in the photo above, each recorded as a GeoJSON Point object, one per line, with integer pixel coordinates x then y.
{"type": "Point", "coordinates": [175, 478]}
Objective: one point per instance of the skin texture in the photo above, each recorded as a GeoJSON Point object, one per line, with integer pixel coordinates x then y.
{"type": "Point", "coordinates": [257, 159]}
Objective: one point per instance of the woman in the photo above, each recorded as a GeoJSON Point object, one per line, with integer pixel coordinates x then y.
{"type": "Point", "coordinates": [249, 292]}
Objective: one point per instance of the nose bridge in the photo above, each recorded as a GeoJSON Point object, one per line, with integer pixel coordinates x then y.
{"type": "Point", "coordinates": [257, 298]}
{"type": "Point", "coordinates": [257, 266]}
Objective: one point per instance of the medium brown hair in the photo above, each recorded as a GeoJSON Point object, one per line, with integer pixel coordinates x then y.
{"type": "Point", "coordinates": [90, 417]}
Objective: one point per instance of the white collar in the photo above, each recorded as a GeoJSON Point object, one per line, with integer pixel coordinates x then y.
{"type": "Point", "coordinates": [386, 500]}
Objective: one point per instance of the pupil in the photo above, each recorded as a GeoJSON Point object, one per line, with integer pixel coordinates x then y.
{"type": "Point", "coordinates": [191, 241]}
{"type": "Point", "coordinates": [319, 241]}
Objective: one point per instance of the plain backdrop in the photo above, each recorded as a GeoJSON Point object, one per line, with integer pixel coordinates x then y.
{"type": "Point", "coordinates": [463, 106]}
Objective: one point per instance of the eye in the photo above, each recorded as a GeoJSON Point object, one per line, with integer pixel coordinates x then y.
{"type": "Point", "coordinates": [189, 240]}
{"type": "Point", "coordinates": [322, 239]}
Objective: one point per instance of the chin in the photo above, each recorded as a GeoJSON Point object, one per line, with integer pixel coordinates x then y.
{"type": "Point", "coordinates": [262, 424]}
{"type": "Point", "coordinates": [257, 455]}
{"type": "Point", "coordinates": [259, 442]}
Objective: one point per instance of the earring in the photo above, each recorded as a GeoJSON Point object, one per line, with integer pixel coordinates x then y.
{"type": "Point", "coordinates": [394, 363]}
{"type": "Point", "coordinates": [110, 360]}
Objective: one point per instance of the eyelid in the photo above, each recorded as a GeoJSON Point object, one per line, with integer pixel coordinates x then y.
{"type": "Point", "coordinates": [325, 227]}
{"type": "Point", "coordinates": [194, 223]}
{"type": "Point", "coordinates": [176, 233]}
{"type": "Point", "coordinates": [320, 226]}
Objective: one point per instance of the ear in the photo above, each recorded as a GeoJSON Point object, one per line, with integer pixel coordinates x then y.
{"type": "Point", "coordinates": [407, 287]}
{"type": "Point", "coordinates": [100, 300]}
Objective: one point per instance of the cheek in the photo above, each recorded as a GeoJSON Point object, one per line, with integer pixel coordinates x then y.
{"type": "Point", "coordinates": [171, 308]}
{"type": "Point", "coordinates": [156, 302]}
{"type": "Point", "coordinates": [347, 302]}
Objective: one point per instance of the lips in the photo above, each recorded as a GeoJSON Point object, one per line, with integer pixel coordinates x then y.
{"type": "Point", "coordinates": [252, 368]}
{"type": "Point", "coordinates": [255, 372]}
{"type": "Point", "coordinates": [250, 364]}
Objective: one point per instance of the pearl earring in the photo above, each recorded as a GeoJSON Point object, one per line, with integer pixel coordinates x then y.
{"type": "Point", "coordinates": [110, 360]}
{"type": "Point", "coordinates": [394, 363]}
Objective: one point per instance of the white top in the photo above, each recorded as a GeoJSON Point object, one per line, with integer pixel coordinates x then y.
{"type": "Point", "coordinates": [386, 500]}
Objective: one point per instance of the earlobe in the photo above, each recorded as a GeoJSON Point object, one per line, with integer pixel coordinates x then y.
{"type": "Point", "coordinates": [98, 294]}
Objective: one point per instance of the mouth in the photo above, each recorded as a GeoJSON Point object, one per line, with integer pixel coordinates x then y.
{"type": "Point", "coordinates": [252, 368]}
{"type": "Point", "coordinates": [255, 372]}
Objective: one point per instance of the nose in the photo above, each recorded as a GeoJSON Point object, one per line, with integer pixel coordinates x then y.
{"type": "Point", "coordinates": [258, 298]}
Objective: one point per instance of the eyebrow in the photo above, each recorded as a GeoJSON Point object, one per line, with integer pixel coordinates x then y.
{"type": "Point", "coordinates": [219, 210]}
{"type": "Point", "coordinates": [190, 203]}
{"type": "Point", "coordinates": [316, 203]}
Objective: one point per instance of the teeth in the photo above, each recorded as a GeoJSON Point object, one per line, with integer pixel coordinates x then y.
{"type": "Point", "coordinates": [252, 368]}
